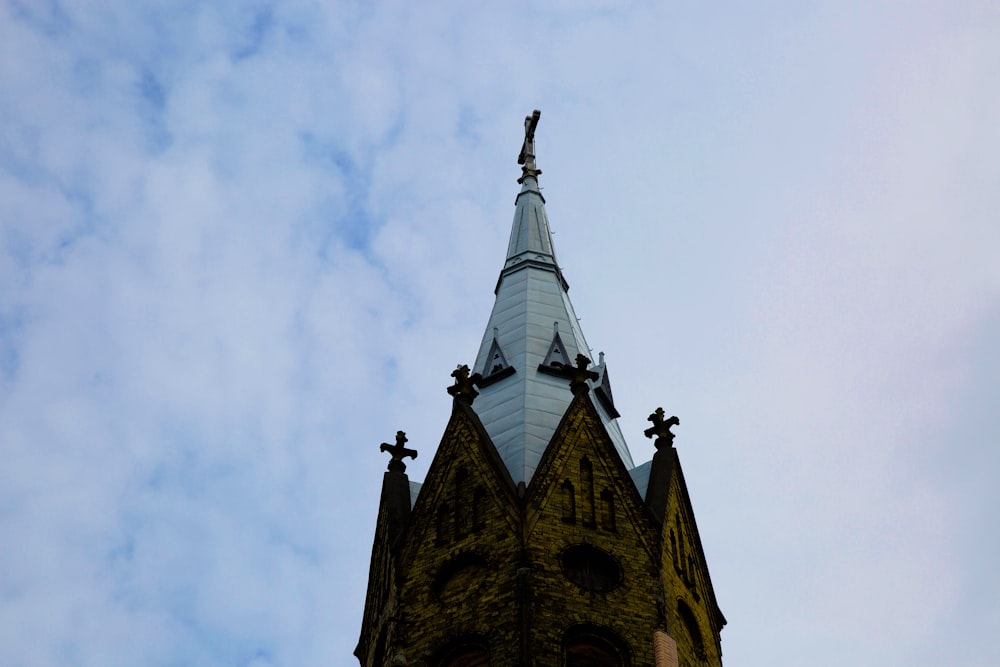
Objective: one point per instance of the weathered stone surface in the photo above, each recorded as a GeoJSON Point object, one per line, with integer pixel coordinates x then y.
{"type": "Point", "coordinates": [482, 563]}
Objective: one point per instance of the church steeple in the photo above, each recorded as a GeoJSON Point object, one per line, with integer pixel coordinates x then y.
{"type": "Point", "coordinates": [533, 540]}
{"type": "Point", "coordinates": [534, 328]}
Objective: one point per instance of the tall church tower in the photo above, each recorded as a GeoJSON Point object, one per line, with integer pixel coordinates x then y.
{"type": "Point", "coordinates": [534, 539]}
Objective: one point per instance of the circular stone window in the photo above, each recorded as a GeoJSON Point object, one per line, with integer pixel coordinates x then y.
{"type": "Point", "coordinates": [591, 568]}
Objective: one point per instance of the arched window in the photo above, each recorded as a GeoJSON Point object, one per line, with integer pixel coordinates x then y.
{"type": "Point", "coordinates": [442, 524]}
{"type": "Point", "coordinates": [468, 657]}
{"type": "Point", "coordinates": [591, 569]}
{"type": "Point", "coordinates": [691, 625]}
{"type": "Point", "coordinates": [478, 508]}
{"type": "Point", "coordinates": [591, 654]}
{"type": "Point", "coordinates": [594, 646]}
{"type": "Point", "coordinates": [568, 502]}
{"type": "Point", "coordinates": [463, 502]}
{"type": "Point", "coordinates": [587, 492]}
{"type": "Point", "coordinates": [608, 510]}
{"type": "Point", "coordinates": [468, 651]}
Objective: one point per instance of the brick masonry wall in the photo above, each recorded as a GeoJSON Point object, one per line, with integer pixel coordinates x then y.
{"type": "Point", "coordinates": [582, 457]}
{"type": "Point", "coordinates": [685, 580]}
{"type": "Point", "coordinates": [460, 564]}
{"type": "Point", "coordinates": [483, 564]}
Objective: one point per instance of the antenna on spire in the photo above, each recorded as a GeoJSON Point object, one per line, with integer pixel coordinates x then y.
{"type": "Point", "coordinates": [527, 155]}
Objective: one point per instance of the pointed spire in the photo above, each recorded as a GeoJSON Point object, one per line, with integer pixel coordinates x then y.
{"type": "Point", "coordinates": [396, 489]}
{"type": "Point", "coordinates": [534, 325]}
{"type": "Point", "coordinates": [530, 235]}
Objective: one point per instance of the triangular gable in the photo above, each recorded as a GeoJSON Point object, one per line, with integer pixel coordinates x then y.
{"type": "Point", "coordinates": [603, 392]}
{"type": "Point", "coordinates": [466, 470]}
{"type": "Point", "coordinates": [569, 475]}
{"type": "Point", "coordinates": [496, 367]}
{"type": "Point", "coordinates": [557, 356]}
{"type": "Point", "coordinates": [495, 360]}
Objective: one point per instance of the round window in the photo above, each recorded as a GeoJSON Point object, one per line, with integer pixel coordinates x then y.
{"type": "Point", "coordinates": [591, 568]}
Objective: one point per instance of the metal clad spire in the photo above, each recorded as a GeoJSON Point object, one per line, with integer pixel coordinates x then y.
{"type": "Point", "coordinates": [522, 407]}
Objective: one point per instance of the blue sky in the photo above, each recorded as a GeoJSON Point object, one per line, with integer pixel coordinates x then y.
{"type": "Point", "coordinates": [242, 244]}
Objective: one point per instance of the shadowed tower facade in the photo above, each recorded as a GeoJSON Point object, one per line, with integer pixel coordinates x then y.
{"type": "Point", "coordinates": [534, 539]}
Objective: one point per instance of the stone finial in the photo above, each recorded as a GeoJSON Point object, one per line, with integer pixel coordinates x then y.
{"type": "Point", "coordinates": [579, 375]}
{"type": "Point", "coordinates": [464, 390]}
{"type": "Point", "coordinates": [661, 428]}
{"type": "Point", "coordinates": [527, 155]}
{"type": "Point", "coordinates": [398, 451]}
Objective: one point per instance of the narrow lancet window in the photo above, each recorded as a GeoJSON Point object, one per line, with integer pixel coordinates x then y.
{"type": "Point", "coordinates": [587, 484]}
{"type": "Point", "coordinates": [568, 502]}
{"type": "Point", "coordinates": [442, 524]}
{"type": "Point", "coordinates": [608, 510]}
{"type": "Point", "coordinates": [463, 502]}
{"type": "Point", "coordinates": [478, 502]}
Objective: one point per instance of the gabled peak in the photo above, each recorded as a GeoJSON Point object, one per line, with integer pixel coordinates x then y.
{"type": "Point", "coordinates": [602, 389]}
{"type": "Point", "coordinates": [556, 356]}
{"type": "Point", "coordinates": [495, 365]}
{"type": "Point", "coordinates": [495, 360]}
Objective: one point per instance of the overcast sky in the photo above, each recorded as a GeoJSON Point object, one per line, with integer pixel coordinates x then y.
{"type": "Point", "coordinates": [242, 244]}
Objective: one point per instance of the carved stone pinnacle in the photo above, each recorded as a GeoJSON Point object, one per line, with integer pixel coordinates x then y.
{"type": "Point", "coordinates": [661, 428]}
{"type": "Point", "coordinates": [398, 451]}
{"type": "Point", "coordinates": [579, 375]}
{"type": "Point", "coordinates": [464, 390]}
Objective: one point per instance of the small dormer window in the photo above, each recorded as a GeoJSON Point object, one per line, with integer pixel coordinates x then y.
{"type": "Point", "coordinates": [495, 367]}
{"type": "Point", "coordinates": [556, 357]}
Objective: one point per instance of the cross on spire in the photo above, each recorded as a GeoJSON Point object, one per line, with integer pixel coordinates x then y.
{"type": "Point", "coordinates": [527, 155]}
{"type": "Point", "coordinates": [661, 428]}
{"type": "Point", "coordinates": [398, 451]}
